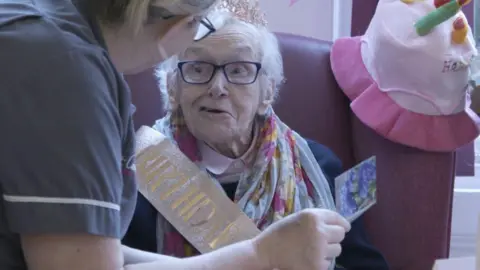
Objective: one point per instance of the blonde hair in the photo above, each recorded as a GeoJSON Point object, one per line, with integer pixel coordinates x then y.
{"type": "Point", "coordinates": [136, 12]}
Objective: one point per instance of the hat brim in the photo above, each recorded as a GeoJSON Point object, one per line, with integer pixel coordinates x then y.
{"type": "Point", "coordinates": [439, 133]}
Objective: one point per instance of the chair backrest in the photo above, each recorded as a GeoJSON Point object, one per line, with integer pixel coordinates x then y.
{"type": "Point", "coordinates": [146, 97]}
{"type": "Point", "coordinates": [310, 101]}
{"type": "Point", "coordinates": [411, 222]}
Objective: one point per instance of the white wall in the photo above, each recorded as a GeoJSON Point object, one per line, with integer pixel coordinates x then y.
{"type": "Point", "coordinates": [321, 19]}
{"type": "Point", "coordinates": [466, 209]}
{"type": "Point", "coordinates": [476, 14]}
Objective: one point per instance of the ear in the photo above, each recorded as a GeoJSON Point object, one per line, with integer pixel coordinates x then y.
{"type": "Point", "coordinates": [267, 97]}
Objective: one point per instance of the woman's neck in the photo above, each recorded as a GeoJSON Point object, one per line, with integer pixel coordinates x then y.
{"type": "Point", "coordinates": [236, 147]}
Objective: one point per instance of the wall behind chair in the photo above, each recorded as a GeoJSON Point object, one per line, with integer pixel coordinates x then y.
{"type": "Point", "coordinates": [324, 19]}
{"type": "Point", "coordinates": [364, 10]}
{"type": "Point", "coordinates": [320, 19]}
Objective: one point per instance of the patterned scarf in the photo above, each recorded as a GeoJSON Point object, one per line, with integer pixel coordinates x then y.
{"type": "Point", "coordinates": [285, 177]}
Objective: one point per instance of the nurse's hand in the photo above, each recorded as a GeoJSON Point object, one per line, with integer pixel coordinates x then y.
{"type": "Point", "coordinates": [306, 240]}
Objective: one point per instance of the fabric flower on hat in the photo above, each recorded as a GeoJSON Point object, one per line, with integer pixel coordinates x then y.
{"type": "Point", "coordinates": [408, 76]}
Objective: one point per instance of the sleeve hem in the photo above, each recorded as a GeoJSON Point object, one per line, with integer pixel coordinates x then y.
{"type": "Point", "coordinates": [32, 215]}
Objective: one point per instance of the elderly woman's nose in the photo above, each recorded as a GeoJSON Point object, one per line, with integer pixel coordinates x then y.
{"type": "Point", "coordinates": [217, 87]}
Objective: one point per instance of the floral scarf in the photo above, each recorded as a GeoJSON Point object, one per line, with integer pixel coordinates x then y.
{"type": "Point", "coordinates": [285, 177]}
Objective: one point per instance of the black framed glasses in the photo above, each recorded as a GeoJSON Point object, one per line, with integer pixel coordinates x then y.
{"type": "Point", "coordinates": [205, 29]}
{"type": "Point", "coordinates": [238, 72]}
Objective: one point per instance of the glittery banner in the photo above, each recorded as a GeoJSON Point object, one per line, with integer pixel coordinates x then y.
{"type": "Point", "coordinates": [187, 197]}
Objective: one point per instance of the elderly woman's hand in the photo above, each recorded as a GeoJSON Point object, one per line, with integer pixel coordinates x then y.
{"type": "Point", "coordinates": [305, 240]}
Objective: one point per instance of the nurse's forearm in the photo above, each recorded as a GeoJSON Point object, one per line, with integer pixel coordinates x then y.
{"type": "Point", "coordinates": [134, 256]}
{"type": "Point", "coordinates": [238, 256]}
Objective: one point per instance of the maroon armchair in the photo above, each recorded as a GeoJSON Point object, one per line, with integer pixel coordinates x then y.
{"type": "Point", "coordinates": [411, 222]}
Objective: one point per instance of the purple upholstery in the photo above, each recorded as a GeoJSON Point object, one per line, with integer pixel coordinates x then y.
{"type": "Point", "coordinates": [465, 160]}
{"type": "Point", "coordinates": [364, 11]}
{"type": "Point", "coordinates": [410, 224]}
{"type": "Point", "coordinates": [146, 97]}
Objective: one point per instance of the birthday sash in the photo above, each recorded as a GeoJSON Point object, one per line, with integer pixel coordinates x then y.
{"type": "Point", "coordinates": [186, 196]}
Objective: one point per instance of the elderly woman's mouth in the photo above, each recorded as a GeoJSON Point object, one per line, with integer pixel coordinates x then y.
{"type": "Point", "coordinates": [212, 110]}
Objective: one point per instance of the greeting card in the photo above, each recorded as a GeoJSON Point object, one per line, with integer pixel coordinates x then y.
{"type": "Point", "coordinates": [356, 189]}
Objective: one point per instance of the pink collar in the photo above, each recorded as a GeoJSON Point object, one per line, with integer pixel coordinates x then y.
{"type": "Point", "coordinates": [218, 164]}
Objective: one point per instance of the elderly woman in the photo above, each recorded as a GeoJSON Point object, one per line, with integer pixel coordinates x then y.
{"type": "Point", "coordinates": [218, 95]}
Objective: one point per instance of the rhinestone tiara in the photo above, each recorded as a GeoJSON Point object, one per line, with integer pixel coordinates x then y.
{"type": "Point", "coordinates": [246, 10]}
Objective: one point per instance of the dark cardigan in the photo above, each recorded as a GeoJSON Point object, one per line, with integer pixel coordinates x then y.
{"type": "Point", "coordinates": [357, 252]}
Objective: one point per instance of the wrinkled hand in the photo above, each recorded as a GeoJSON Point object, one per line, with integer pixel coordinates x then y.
{"type": "Point", "coordinates": [307, 240]}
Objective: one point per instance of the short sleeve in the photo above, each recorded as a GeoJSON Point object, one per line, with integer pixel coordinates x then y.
{"type": "Point", "coordinates": [60, 144]}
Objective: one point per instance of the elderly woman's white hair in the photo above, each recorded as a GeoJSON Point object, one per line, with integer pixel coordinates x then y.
{"type": "Point", "coordinates": [259, 38]}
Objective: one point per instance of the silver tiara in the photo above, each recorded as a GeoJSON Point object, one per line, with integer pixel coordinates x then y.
{"type": "Point", "coordinates": [246, 10]}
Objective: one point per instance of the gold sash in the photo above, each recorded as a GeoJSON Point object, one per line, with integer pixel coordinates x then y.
{"type": "Point", "coordinates": [186, 196]}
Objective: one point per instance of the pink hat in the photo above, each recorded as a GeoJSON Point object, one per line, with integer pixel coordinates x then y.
{"type": "Point", "coordinates": [407, 77]}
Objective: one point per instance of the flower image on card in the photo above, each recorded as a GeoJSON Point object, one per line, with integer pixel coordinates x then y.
{"type": "Point", "coordinates": [356, 189]}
